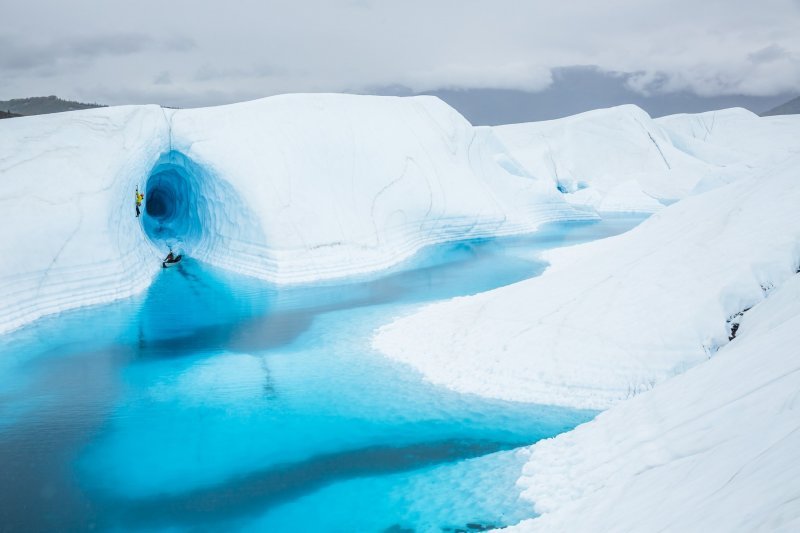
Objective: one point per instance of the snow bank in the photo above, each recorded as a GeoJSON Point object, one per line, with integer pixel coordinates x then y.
{"type": "Point", "coordinates": [734, 141]}
{"type": "Point", "coordinates": [619, 159]}
{"type": "Point", "coordinates": [614, 159]}
{"type": "Point", "coordinates": [739, 136]}
{"type": "Point", "coordinates": [611, 318]}
{"type": "Point", "coordinates": [712, 450]}
{"type": "Point", "coordinates": [291, 188]}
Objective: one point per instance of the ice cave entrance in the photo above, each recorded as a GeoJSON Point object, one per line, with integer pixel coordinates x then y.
{"type": "Point", "coordinates": [175, 206]}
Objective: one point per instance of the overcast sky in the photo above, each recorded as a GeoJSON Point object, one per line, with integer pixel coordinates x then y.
{"type": "Point", "coordinates": [189, 53]}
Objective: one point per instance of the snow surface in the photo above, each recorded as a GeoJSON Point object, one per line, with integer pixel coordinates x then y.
{"type": "Point", "coordinates": [306, 187]}
{"type": "Point", "coordinates": [714, 449]}
{"type": "Point", "coordinates": [299, 188]}
{"type": "Point", "coordinates": [621, 160]}
{"type": "Point", "coordinates": [612, 318]}
{"type": "Point", "coordinates": [290, 188]}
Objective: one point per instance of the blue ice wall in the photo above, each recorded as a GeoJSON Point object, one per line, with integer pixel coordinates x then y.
{"type": "Point", "coordinates": [191, 209]}
{"type": "Point", "coordinates": [176, 208]}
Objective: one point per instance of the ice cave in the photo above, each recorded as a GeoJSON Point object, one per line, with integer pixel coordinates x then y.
{"type": "Point", "coordinates": [176, 210]}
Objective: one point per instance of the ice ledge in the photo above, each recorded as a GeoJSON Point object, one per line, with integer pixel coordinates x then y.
{"type": "Point", "coordinates": [610, 319]}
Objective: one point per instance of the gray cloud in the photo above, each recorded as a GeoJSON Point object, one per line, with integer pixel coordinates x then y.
{"type": "Point", "coordinates": [769, 53]}
{"type": "Point", "coordinates": [213, 73]}
{"type": "Point", "coordinates": [178, 43]}
{"type": "Point", "coordinates": [99, 45]}
{"type": "Point", "coordinates": [251, 47]}
{"type": "Point", "coordinates": [163, 78]}
{"type": "Point", "coordinates": [15, 55]}
{"type": "Point", "coordinates": [578, 89]}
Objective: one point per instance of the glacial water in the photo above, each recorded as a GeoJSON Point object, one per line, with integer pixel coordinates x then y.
{"type": "Point", "coordinates": [218, 402]}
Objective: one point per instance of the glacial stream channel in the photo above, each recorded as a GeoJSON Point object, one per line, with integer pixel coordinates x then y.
{"type": "Point", "coordinates": [218, 402]}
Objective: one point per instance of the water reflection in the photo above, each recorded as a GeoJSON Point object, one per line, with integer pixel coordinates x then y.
{"type": "Point", "coordinates": [67, 390]}
{"type": "Point", "coordinates": [261, 490]}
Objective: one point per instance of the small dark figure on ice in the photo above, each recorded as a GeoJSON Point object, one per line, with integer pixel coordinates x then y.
{"type": "Point", "coordinates": [171, 259]}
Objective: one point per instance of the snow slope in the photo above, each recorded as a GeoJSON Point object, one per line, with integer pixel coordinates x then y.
{"type": "Point", "coordinates": [734, 141]}
{"type": "Point", "coordinates": [619, 159]}
{"type": "Point", "coordinates": [611, 318]}
{"type": "Point", "coordinates": [714, 449]}
{"type": "Point", "coordinates": [306, 187]}
{"type": "Point", "coordinates": [290, 188]}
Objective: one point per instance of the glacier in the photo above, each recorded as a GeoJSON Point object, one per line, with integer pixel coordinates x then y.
{"type": "Point", "coordinates": [714, 449]}
{"type": "Point", "coordinates": [290, 189]}
{"type": "Point", "coordinates": [621, 160]}
{"type": "Point", "coordinates": [612, 318]}
{"type": "Point", "coordinates": [683, 330]}
{"type": "Point", "coordinates": [299, 188]}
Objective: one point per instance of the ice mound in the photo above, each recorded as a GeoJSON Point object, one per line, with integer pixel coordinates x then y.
{"type": "Point", "coordinates": [588, 156]}
{"type": "Point", "coordinates": [612, 318]}
{"type": "Point", "coordinates": [621, 160]}
{"type": "Point", "coordinates": [299, 188]}
{"type": "Point", "coordinates": [618, 319]}
{"type": "Point", "coordinates": [292, 188]}
{"type": "Point", "coordinates": [67, 186]}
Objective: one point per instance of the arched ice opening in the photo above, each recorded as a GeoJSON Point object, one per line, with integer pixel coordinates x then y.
{"type": "Point", "coordinates": [176, 210]}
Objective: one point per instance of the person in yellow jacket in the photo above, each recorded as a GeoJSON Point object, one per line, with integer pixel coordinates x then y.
{"type": "Point", "coordinates": [139, 199]}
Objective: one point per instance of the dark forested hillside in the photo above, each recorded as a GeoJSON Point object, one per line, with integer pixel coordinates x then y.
{"type": "Point", "coordinates": [40, 105]}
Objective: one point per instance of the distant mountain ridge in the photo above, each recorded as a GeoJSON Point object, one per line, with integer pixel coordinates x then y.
{"type": "Point", "coordinates": [479, 106]}
{"type": "Point", "coordinates": [40, 105]}
{"type": "Point", "coordinates": [792, 107]}
{"type": "Point", "coordinates": [578, 89]}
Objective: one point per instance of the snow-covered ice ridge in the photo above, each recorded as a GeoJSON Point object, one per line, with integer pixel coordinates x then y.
{"type": "Point", "coordinates": [611, 318]}
{"type": "Point", "coordinates": [306, 187]}
{"type": "Point", "coordinates": [619, 159]}
{"type": "Point", "coordinates": [702, 430]}
{"type": "Point", "coordinates": [290, 188]}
